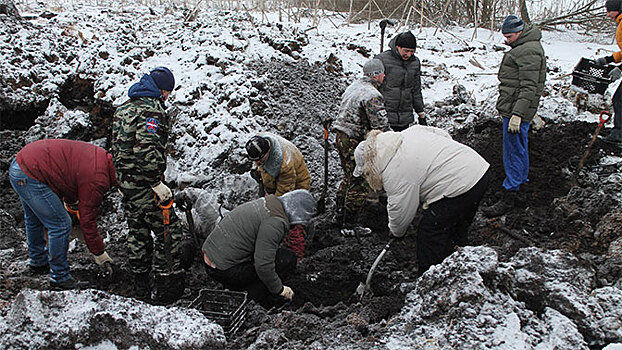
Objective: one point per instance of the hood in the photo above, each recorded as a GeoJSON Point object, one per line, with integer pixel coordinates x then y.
{"type": "Point", "coordinates": [272, 165]}
{"type": "Point", "coordinates": [299, 206]}
{"type": "Point", "coordinates": [530, 33]}
{"type": "Point", "coordinates": [146, 87]}
{"type": "Point", "coordinates": [374, 154]}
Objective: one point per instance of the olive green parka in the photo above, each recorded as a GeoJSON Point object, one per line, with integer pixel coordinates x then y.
{"type": "Point", "coordinates": [522, 75]}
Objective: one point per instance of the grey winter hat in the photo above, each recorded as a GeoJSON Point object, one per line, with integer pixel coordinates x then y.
{"type": "Point", "coordinates": [613, 5]}
{"type": "Point", "coordinates": [359, 158]}
{"type": "Point", "coordinates": [373, 67]}
{"type": "Point", "coordinates": [512, 24]}
{"type": "Point", "coordinates": [299, 206]}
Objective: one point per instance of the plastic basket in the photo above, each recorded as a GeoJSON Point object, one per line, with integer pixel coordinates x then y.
{"type": "Point", "coordinates": [227, 308]}
{"type": "Point", "coordinates": [590, 76]}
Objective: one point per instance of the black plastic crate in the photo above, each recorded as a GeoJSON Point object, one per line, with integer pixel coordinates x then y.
{"type": "Point", "coordinates": [227, 308]}
{"type": "Point", "coordinates": [591, 77]}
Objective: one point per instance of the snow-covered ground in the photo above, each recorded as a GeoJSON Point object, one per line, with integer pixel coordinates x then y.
{"type": "Point", "coordinates": [212, 106]}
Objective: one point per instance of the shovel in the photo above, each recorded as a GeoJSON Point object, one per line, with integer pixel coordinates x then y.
{"type": "Point", "coordinates": [365, 289]}
{"type": "Point", "coordinates": [322, 202]}
{"type": "Point", "coordinates": [601, 123]}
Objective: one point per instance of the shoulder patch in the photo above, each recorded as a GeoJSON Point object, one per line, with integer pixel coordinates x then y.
{"type": "Point", "coordinates": [152, 125]}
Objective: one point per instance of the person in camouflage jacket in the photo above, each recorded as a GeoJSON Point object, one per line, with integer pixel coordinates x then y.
{"type": "Point", "coordinates": [361, 110]}
{"type": "Point", "coordinates": [140, 134]}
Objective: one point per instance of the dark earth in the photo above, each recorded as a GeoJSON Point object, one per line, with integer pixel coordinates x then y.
{"type": "Point", "coordinates": [554, 211]}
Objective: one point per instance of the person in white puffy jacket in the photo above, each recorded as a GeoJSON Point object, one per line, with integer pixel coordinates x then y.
{"type": "Point", "coordinates": [424, 165]}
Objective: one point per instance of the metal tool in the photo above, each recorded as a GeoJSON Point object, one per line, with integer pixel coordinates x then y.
{"type": "Point", "coordinates": [365, 289]}
{"type": "Point", "coordinates": [186, 205]}
{"type": "Point", "coordinates": [322, 202]}
{"type": "Point", "coordinates": [166, 220]}
{"type": "Point", "coordinates": [383, 25]}
{"type": "Point", "coordinates": [601, 123]}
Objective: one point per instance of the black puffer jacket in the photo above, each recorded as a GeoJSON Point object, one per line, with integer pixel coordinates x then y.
{"type": "Point", "coordinates": [402, 86]}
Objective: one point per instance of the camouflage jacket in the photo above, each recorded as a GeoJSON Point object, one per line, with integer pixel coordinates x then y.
{"type": "Point", "coordinates": [140, 131]}
{"type": "Point", "coordinates": [361, 110]}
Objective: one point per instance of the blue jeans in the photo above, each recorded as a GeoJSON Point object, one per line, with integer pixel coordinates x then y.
{"type": "Point", "coordinates": [43, 209]}
{"type": "Point", "coordinates": [515, 156]}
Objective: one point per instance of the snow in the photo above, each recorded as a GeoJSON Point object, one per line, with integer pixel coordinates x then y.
{"type": "Point", "coordinates": [213, 118]}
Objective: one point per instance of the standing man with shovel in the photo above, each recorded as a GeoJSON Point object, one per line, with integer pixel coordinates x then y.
{"type": "Point", "coordinates": [140, 131]}
{"type": "Point", "coordinates": [614, 11]}
{"type": "Point", "coordinates": [361, 110]}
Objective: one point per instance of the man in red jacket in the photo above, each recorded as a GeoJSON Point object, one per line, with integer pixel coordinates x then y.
{"type": "Point", "coordinates": [48, 175]}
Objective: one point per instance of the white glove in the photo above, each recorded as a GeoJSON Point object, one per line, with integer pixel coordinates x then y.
{"type": "Point", "coordinates": [163, 192]}
{"type": "Point", "coordinates": [514, 125]}
{"type": "Point", "coordinates": [102, 258]}
{"type": "Point", "coordinates": [287, 293]}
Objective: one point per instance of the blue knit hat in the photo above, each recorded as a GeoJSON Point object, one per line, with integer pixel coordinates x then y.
{"type": "Point", "coordinates": [163, 78]}
{"type": "Point", "coordinates": [512, 24]}
{"type": "Point", "coordinates": [613, 5]}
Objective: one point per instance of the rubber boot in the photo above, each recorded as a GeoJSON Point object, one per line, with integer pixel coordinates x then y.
{"type": "Point", "coordinates": [502, 206]}
{"type": "Point", "coordinates": [168, 287]}
{"type": "Point", "coordinates": [142, 288]}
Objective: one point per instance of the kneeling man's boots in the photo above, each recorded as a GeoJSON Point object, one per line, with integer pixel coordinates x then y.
{"type": "Point", "coordinates": [168, 287]}
{"type": "Point", "coordinates": [502, 206]}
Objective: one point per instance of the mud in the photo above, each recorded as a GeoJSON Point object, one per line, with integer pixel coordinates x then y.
{"type": "Point", "coordinates": [553, 212]}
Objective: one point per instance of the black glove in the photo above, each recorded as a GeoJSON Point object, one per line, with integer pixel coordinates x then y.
{"type": "Point", "coordinates": [603, 61]}
{"type": "Point", "coordinates": [422, 121]}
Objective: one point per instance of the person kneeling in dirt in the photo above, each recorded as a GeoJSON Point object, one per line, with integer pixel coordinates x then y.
{"type": "Point", "coordinates": [424, 165]}
{"type": "Point", "coordinates": [361, 110]}
{"type": "Point", "coordinates": [244, 251]}
{"type": "Point", "coordinates": [48, 176]}
{"type": "Point", "coordinates": [282, 169]}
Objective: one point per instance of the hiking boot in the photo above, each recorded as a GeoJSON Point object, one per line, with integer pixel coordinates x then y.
{"type": "Point", "coordinates": [168, 287]}
{"type": "Point", "coordinates": [614, 138]}
{"type": "Point", "coordinates": [39, 270]}
{"type": "Point", "coordinates": [502, 206]}
{"type": "Point", "coordinates": [142, 289]}
{"type": "Point", "coordinates": [69, 284]}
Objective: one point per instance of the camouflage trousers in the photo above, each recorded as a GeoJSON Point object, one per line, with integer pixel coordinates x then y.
{"type": "Point", "coordinates": [352, 192]}
{"type": "Point", "coordinates": [143, 217]}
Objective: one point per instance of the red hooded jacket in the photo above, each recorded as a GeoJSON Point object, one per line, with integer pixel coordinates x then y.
{"type": "Point", "coordinates": [75, 171]}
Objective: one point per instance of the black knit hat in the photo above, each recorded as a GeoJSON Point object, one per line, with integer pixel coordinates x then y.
{"type": "Point", "coordinates": [407, 40]}
{"type": "Point", "coordinates": [257, 147]}
{"type": "Point", "coordinates": [613, 5]}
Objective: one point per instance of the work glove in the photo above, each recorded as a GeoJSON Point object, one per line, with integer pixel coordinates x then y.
{"type": "Point", "coordinates": [514, 125]}
{"type": "Point", "coordinates": [602, 61]}
{"type": "Point", "coordinates": [163, 192]}
{"type": "Point", "coordinates": [287, 293]}
{"type": "Point", "coordinates": [421, 118]}
{"type": "Point", "coordinates": [105, 262]}
{"type": "Point", "coordinates": [615, 74]}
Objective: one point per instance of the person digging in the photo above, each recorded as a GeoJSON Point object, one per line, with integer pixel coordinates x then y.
{"type": "Point", "coordinates": [244, 251]}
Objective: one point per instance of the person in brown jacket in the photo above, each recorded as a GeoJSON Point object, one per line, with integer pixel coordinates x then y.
{"type": "Point", "coordinates": [283, 169]}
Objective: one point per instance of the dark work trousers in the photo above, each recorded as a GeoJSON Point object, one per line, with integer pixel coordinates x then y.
{"type": "Point", "coordinates": [243, 277]}
{"type": "Point", "coordinates": [445, 225]}
{"type": "Point", "coordinates": [617, 110]}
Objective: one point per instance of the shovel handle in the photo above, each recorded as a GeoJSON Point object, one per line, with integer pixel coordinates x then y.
{"type": "Point", "coordinates": [603, 120]}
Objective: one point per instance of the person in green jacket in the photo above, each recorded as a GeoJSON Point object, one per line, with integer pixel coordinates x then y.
{"type": "Point", "coordinates": [522, 74]}
{"type": "Point", "coordinates": [244, 251]}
